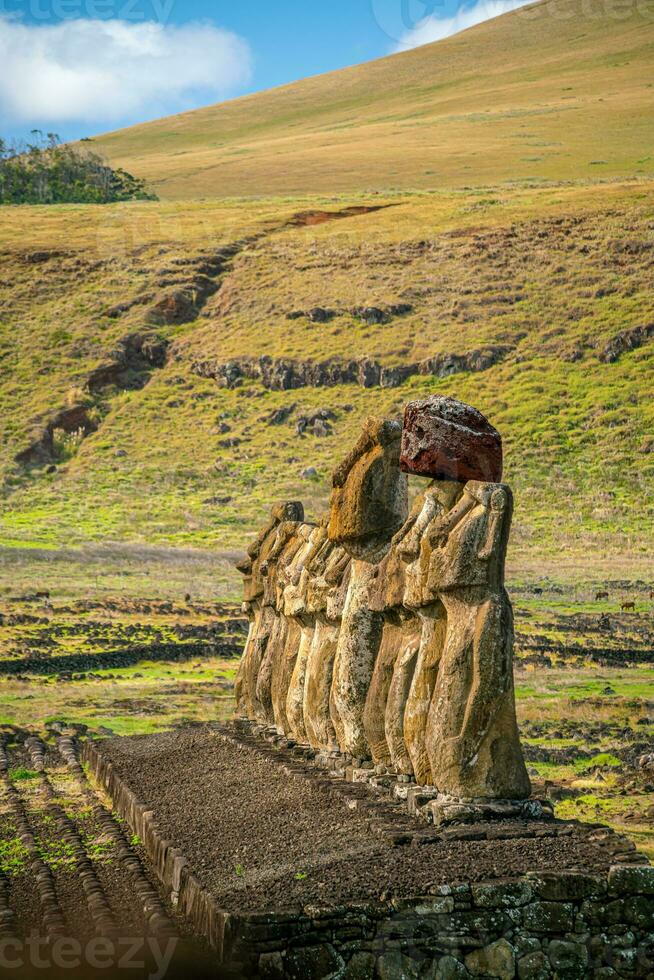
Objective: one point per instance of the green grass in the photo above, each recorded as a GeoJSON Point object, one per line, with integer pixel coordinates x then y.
{"type": "Point", "coordinates": [578, 688]}
{"type": "Point", "coordinates": [599, 760]}
{"type": "Point", "coordinates": [166, 694]}
{"type": "Point", "coordinates": [13, 856]}
{"type": "Point", "coordinates": [19, 774]}
{"type": "Point", "coordinates": [56, 854]}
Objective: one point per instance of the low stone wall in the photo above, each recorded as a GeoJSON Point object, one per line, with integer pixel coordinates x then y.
{"type": "Point", "coordinates": [566, 925]}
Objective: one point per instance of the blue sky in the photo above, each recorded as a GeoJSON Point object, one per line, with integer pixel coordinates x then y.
{"type": "Point", "coordinates": [80, 67]}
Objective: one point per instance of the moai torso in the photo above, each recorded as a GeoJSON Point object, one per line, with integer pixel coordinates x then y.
{"type": "Point", "coordinates": [468, 543]}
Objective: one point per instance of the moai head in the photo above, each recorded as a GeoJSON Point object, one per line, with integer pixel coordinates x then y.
{"type": "Point", "coordinates": [253, 567]}
{"type": "Point", "coordinates": [449, 440]}
{"type": "Point", "coordinates": [287, 510]}
{"type": "Point", "coordinates": [369, 501]}
{"type": "Point", "coordinates": [468, 549]}
{"type": "Point", "coordinates": [464, 543]}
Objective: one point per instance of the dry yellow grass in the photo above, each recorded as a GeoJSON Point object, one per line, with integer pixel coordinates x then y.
{"type": "Point", "coordinates": [558, 90]}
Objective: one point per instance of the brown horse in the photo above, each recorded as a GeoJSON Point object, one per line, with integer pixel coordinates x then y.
{"type": "Point", "coordinates": [628, 605]}
{"type": "Point", "coordinates": [601, 595]}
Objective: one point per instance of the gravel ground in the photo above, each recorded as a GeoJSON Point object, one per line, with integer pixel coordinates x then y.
{"type": "Point", "coordinates": [260, 838]}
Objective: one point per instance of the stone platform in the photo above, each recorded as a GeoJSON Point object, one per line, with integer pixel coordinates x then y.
{"type": "Point", "coordinates": [290, 869]}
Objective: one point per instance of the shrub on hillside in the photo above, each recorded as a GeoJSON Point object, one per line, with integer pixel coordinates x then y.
{"type": "Point", "coordinates": [47, 172]}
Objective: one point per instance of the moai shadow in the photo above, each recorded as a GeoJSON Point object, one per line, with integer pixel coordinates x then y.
{"type": "Point", "coordinates": [369, 504]}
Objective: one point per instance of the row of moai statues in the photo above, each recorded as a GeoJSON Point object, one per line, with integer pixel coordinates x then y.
{"type": "Point", "coordinates": [384, 632]}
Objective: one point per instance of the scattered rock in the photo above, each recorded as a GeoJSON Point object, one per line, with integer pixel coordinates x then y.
{"type": "Point", "coordinates": [371, 314]}
{"type": "Point", "coordinates": [279, 415]}
{"type": "Point", "coordinates": [321, 315]}
{"type": "Point", "coordinates": [76, 419]}
{"type": "Point", "coordinates": [626, 340]}
{"type": "Point", "coordinates": [573, 355]}
{"type": "Point", "coordinates": [318, 423]}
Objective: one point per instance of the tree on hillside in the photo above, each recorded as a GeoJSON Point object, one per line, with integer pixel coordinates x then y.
{"type": "Point", "coordinates": [45, 171]}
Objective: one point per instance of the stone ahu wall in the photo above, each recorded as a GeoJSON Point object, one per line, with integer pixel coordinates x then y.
{"type": "Point", "coordinates": [542, 926]}
{"type": "Point", "coordinates": [384, 634]}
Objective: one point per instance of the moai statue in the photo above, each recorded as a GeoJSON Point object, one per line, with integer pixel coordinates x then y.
{"type": "Point", "coordinates": [471, 739]}
{"type": "Point", "coordinates": [326, 593]}
{"type": "Point", "coordinates": [297, 608]}
{"type": "Point", "coordinates": [383, 720]}
{"type": "Point", "coordinates": [289, 572]}
{"type": "Point", "coordinates": [369, 503]}
{"type": "Point", "coordinates": [287, 542]}
{"type": "Point", "coordinates": [414, 547]}
{"type": "Point", "coordinates": [261, 615]}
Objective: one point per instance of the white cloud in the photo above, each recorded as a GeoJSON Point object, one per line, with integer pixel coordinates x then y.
{"type": "Point", "coordinates": [435, 28]}
{"type": "Point", "coordinates": [105, 71]}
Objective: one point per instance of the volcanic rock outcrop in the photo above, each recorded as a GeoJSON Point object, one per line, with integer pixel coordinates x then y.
{"type": "Point", "coordinates": [387, 635]}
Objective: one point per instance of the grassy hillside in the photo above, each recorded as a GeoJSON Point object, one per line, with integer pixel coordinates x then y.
{"type": "Point", "coordinates": [137, 414]}
{"type": "Point", "coordinates": [559, 90]}
{"type": "Point", "coordinates": [539, 301]}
